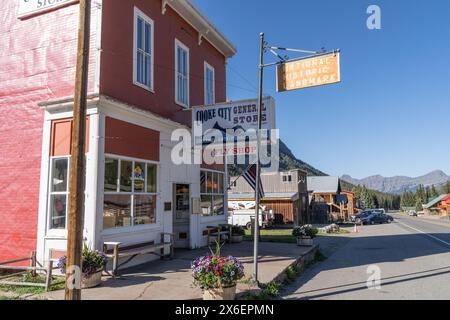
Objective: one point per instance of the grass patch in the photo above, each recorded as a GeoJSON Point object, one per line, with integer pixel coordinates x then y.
{"type": "Point", "coordinates": [273, 235]}
{"type": "Point", "coordinates": [284, 235]}
{"type": "Point", "coordinates": [23, 290]}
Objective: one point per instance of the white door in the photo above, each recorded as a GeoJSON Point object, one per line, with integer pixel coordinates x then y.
{"type": "Point", "coordinates": [181, 215]}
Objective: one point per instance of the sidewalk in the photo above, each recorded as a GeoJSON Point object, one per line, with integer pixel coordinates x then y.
{"type": "Point", "coordinates": [172, 280]}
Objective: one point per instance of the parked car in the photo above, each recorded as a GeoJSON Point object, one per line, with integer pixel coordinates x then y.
{"type": "Point", "coordinates": [412, 213]}
{"type": "Point", "coordinates": [376, 218]}
{"type": "Point", "coordinates": [360, 215]}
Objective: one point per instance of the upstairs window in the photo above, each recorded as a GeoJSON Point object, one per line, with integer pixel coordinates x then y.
{"type": "Point", "coordinates": [143, 50]}
{"type": "Point", "coordinates": [210, 97]}
{"type": "Point", "coordinates": [181, 74]}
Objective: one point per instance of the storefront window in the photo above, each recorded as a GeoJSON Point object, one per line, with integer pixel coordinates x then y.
{"type": "Point", "coordinates": [116, 211]}
{"type": "Point", "coordinates": [111, 174]}
{"type": "Point", "coordinates": [211, 193]}
{"type": "Point", "coordinates": [125, 176]}
{"type": "Point", "coordinates": [59, 193]}
{"type": "Point", "coordinates": [151, 178]}
{"type": "Point", "coordinates": [139, 177]}
{"type": "Point", "coordinates": [144, 210]}
{"type": "Point", "coordinates": [134, 203]}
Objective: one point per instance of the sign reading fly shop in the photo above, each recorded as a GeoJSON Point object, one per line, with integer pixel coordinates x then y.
{"type": "Point", "coordinates": [31, 7]}
{"type": "Point", "coordinates": [238, 116]}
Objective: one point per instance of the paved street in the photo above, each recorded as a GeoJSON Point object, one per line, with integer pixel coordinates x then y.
{"type": "Point", "coordinates": [413, 255]}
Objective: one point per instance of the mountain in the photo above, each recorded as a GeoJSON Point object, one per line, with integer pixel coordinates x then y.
{"type": "Point", "coordinates": [399, 184]}
{"type": "Point", "coordinates": [288, 161]}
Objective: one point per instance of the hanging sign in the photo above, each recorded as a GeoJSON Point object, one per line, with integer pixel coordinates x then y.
{"type": "Point", "coordinates": [30, 7]}
{"type": "Point", "coordinates": [309, 72]}
{"type": "Point", "coordinates": [238, 116]}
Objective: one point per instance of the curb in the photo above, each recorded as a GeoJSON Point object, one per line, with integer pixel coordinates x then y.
{"type": "Point", "coordinates": [303, 259]}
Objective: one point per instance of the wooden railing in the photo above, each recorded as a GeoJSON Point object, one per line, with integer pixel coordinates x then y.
{"type": "Point", "coordinates": [34, 268]}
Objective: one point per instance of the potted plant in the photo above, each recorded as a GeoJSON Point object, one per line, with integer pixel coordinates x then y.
{"type": "Point", "coordinates": [305, 234]}
{"type": "Point", "coordinates": [217, 276]}
{"type": "Point", "coordinates": [237, 234]}
{"type": "Point", "coordinates": [93, 263]}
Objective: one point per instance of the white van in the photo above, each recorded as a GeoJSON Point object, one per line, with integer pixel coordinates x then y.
{"type": "Point", "coordinates": [241, 214]}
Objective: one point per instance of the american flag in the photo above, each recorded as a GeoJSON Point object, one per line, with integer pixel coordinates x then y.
{"type": "Point", "coordinates": [250, 176]}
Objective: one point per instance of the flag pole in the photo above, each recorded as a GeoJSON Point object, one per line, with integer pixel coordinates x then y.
{"type": "Point", "coordinates": [258, 162]}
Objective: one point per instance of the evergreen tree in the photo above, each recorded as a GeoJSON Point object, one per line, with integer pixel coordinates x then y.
{"type": "Point", "coordinates": [433, 192]}
{"type": "Point", "coordinates": [408, 199]}
{"type": "Point", "coordinates": [446, 188]}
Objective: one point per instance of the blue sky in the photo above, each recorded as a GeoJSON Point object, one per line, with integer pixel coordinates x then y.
{"type": "Point", "coordinates": [390, 115]}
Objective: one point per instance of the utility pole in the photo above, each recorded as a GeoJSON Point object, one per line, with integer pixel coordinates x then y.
{"type": "Point", "coordinates": [258, 162]}
{"type": "Point", "coordinates": [77, 161]}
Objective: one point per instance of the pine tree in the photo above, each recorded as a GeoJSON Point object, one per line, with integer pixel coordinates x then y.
{"type": "Point", "coordinates": [446, 188]}
{"type": "Point", "coordinates": [433, 192]}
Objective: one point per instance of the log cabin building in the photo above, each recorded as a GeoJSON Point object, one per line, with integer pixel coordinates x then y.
{"type": "Point", "coordinates": [439, 206]}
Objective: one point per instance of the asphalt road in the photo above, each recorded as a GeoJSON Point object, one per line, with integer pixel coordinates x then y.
{"type": "Point", "coordinates": [411, 254]}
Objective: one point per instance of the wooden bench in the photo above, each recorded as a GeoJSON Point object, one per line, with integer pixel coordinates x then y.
{"type": "Point", "coordinates": [220, 233]}
{"type": "Point", "coordinates": [114, 250]}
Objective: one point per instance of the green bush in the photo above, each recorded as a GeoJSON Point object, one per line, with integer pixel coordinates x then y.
{"type": "Point", "coordinates": [305, 231]}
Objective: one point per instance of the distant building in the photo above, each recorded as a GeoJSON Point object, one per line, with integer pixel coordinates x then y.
{"type": "Point", "coordinates": [327, 200]}
{"type": "Point", "coordinates": [286, 193]}
{"type": "Point", "coordinates": [438, 206]}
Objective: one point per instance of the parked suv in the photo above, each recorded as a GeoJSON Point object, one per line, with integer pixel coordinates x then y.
{"type": "Point", "coordinates": [376, 218]}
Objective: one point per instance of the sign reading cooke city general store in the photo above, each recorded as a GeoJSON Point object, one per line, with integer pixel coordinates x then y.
{"type": "Point", "coordinates": [236, 115]}
{"type": "Point", "coordinates": [30, 7]}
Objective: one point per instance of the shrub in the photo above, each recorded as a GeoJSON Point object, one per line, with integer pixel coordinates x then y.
{"type": "Point", "coordinates": [305, 231]}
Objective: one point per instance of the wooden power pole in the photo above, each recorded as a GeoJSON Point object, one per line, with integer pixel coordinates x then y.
{"type": "Point", "coordinates": [77, 162]}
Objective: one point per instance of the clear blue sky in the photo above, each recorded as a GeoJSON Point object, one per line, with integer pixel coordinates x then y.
{"type": "Point", "coordinates": [391, 113]}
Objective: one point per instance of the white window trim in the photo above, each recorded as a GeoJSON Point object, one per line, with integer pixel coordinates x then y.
{"type": "Point", "coordinates": [178, 43]}
{"type": "Point", "coordinates": [211, 68]}
{"type": "Point", "coordinates": [143, 16]}
{"type": "Point", "coordinates": [212, 194]}
{"type": "Point", "coordinates": [125, 229]}
{"type": "Point", "coordinates": [50, 231]}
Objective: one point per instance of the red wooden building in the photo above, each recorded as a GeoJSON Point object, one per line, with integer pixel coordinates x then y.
{"type": "Point", "coordinates": [150, 60]}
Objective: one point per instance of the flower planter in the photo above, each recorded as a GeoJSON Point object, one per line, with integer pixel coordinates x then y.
{"type": "Point", "coordinates": [92, 280]}
{"type": "Point", "coordinates": [220, 294]}
{"type": "Point", "coordinates": [237, 239]}
{"type": "Point", "coordinates": [305, 241]}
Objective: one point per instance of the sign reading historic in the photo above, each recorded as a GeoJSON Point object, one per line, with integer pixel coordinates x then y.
{"type": "Point", "coordinates": [309, 72]}
{"type": "Point", "coordinates": [29, 7]}
{"type": "Point", "coordinates": [238, 116]}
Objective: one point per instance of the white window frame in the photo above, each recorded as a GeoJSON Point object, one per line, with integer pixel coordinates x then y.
{"type": "Point", "coordinates": [60, 232]}
{"type": "Point", "coordinates": [134, 227]}
{"type": "Point", "coordinates": [178, 43]}
{"type": "Point", "coordinates": [205, 84]}
{"type": "Point", "coordinates": [212, 194]}
{"type": "Point", "coordinates": [139, 14]}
